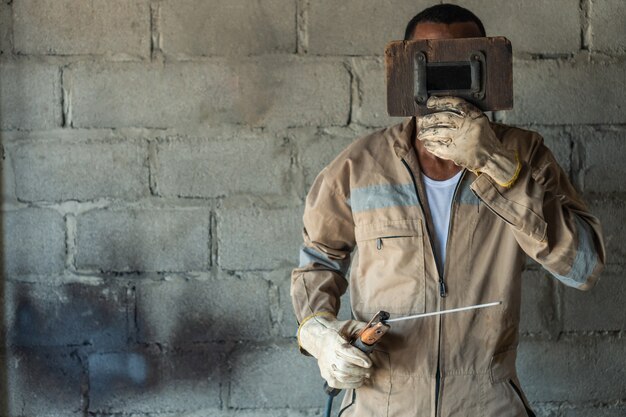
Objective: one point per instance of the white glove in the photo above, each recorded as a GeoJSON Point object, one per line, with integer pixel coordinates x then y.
{"type": "Point", "coordinates": [461, 133]}
{"type": "Point", "coordinates": [341, 364]}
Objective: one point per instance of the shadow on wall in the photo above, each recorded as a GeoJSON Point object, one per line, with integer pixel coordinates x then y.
{"type": "Point", "coordinates": [74, 348]}
{"type": "Point", "coordinates": [52, 330]}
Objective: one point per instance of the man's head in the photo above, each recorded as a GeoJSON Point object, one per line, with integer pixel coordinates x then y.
{"type": "Point", "coordinates": [444, 21]}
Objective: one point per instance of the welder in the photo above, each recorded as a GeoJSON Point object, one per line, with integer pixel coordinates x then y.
{"type": "Point", "coordinates": [441, 211]}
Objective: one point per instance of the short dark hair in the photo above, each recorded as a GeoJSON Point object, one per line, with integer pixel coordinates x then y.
{"type": "Point", "coordinates": [443, 13]}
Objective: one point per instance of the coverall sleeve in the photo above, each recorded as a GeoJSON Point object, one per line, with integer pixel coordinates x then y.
{"type": "Point", "coordinates": [550, 221]}
{"type": "Point", "coordinates": [320, 280]}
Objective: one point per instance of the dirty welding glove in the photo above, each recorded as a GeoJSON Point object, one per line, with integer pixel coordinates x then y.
{"type": "Point", "coordinates": [460, 132]}
{"type": "Point", "coordinates": [341, 364]}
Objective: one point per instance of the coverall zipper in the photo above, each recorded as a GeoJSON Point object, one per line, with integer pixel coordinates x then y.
{"type": "Point", "coordinates": [442, 284]}
{"type": "Point", "coordinates": [445, 269]}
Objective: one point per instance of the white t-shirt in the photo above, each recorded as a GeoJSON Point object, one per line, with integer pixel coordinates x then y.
{"type": "Point", "coordinates": [439, 195]}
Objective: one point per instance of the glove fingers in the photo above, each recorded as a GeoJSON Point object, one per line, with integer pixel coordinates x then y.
{"type": "Point", "coordinates": [350, 328]}
{"type": "Point", "coordinates": [445, 119]}
{"type": "Point", "coordinates": [454, 104]}
{"type": "Point", "coordinates": [438, 149]}
{"type": "Point", "coordinates": [337, 378]}
{"type": "Point", "coordinates": [334, 383]}
{"type": "Point", "coordinates": [352, 355]}
{"type": "Point", "coordinates": [349, 369]}
{"type": "Point", "coordinates": [350, 381]}
{"type": "Point", "coordinates": [434, 135]}
{"type": "Point", "coordinates": [445, 103]}
{"type": "Point", "coordinates": [348, 376]}
{"type": "Point", "coordinates": [432, 144]}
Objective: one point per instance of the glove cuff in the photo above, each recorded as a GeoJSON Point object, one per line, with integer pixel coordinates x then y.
{"type": "Point", "coordinates": [322, 315]}
{"type": "Point", "coordinates": [503, 169]}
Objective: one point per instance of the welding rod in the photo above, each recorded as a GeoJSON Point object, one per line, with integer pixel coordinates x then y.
{"type": "Point", "coordinates": [436, 313]}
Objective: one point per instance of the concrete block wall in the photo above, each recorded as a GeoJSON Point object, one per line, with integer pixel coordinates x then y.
{"type": "Point", "coordinates": [155, 159]}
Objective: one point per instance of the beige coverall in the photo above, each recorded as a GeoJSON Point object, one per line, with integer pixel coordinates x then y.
{"type": "Point", "coordinates": [371, 198]}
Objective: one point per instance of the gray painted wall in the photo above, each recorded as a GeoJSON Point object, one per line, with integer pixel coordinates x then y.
{"type": "Point", "coordinates": [156, 155]}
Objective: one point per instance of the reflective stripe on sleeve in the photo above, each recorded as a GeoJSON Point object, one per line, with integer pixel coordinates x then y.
{"type": "Point", "coordinates": [586, 257]}
{"type": "Point", "coordinates": [310, 255]}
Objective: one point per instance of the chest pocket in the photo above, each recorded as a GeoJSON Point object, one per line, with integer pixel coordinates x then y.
{"type": "Point", "coordinates": [390, 271]}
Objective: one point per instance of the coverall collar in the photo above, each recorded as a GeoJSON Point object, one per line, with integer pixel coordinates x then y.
{"type": "Point", "coordinates": [402, 137]}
